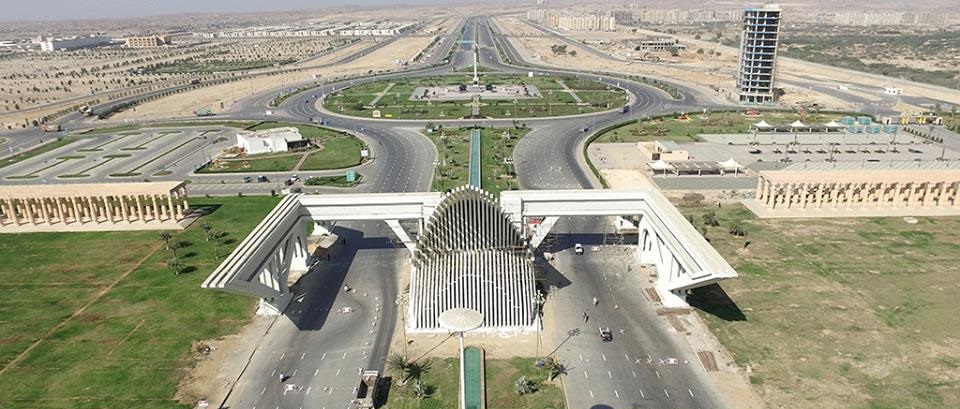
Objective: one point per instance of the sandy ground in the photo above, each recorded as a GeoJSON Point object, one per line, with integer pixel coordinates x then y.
{"type": "Point", "coordinates": [216, 372]}
{"type": "Point", "coordinates": [712, 72]}
{"type": "Point", "coordinates": [183, 104]}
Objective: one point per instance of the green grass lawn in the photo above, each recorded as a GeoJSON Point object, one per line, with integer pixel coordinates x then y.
{"type": "Point", "coordinates": [454, 158]}
{"type": "Point", "coordinates": [337, 153]}
{"type": "Point", "coordinates": [670, 128]}
{"type": "Point", "coordinates": [131, 346]}
{"type": "Point", "coordinates": [442, 379]}
{"type": "Point", "coordinates": [331, 181]}
{"type": "Point", "coordinates": [840, 313]}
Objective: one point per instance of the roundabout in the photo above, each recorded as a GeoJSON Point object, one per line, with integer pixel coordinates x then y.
{"type": "Point", "coordinates": [488, 95]}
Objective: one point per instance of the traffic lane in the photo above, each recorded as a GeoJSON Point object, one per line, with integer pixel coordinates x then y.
{"type": "Point", "coordinates": [328, 335]}
{"type": "Point", "coordinates": [645, 364]}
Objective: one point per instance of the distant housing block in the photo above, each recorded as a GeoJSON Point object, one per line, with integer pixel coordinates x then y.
{"type": "Point", "coordinates": [758, 54]}
{"type": "Point", "coordinates": [147, 41]}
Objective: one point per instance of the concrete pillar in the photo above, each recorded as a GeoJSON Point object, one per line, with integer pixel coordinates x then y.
{"type": "Point", "coordinates": [882, 195]}
{"type": "Point", "coordinates": [928, 193]}
{"type": "Point", "coordinates": [848, 195]}
{"type": "Point", "coordinates": [76, 209]}
{"type": "Point", "coordinates": [45, 211]}
{"type": "Point", "coordinates": [177, 209]}
{"type": "Point", "coordinates": [92, 210]}
{"type": "Point", "coordinates": [804, 191]}
{"type": "Point", "coordinates": [912, 197]}
{"type": "Point", "coordinates": [108, 208]}
{"type": "Point", "coordinates": [13, 212]}
{"type": "Point", "coordinates": [942, 194]}
{"type": "Point", "coordinates": [759, 194]}
{"type": "Point", "coordinates": [183, 198]}
{"type": "Point", "coordinates": [834, 194]}
{"type": "Point", "coordinates": [820, 188]}
{"type": "Point", "coordinates": [140, 215]}
{"type": "Point", "coordinates": [154, 212]}
{"type": "Point", "coordinates": [898, 195]}
{"type": "Point", "coordinates": [124, 209]}
{"type": "Point", "coordinates": [170, 207]}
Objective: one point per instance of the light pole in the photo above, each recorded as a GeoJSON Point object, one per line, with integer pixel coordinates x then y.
{"type": "Point", "coordinates": [461, 320]}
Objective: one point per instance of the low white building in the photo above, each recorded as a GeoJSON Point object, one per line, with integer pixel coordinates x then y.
{"type": "Point", "coordinates": [270, 140]}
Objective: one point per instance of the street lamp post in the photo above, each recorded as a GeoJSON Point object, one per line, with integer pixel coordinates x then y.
{"type": "Point", "coordinates": [461, 320]}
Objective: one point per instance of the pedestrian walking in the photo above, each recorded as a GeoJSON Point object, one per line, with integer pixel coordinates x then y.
{"type": "Point", "coordinates": [283, 377]}
{"type": "Point", "coordinates": [585, 317]}
{"type": "Point", "coordinates": [596, 302]}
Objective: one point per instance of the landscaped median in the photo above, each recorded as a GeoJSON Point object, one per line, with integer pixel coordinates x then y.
{"type": "Point", "coordinates": [496, 154]}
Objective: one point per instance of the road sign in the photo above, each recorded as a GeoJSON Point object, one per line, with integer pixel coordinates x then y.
{"type": "Point", "coordinates": [351, 176]}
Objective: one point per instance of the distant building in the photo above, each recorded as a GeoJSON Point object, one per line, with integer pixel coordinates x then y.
{"type": "Point", "coordinates": [74, 43]}
{"type": "Point", "coordinates": [270, 140]}
{"type": "Point", "coordinates": [758, 55]}
{"type": "Point", "coordinates": [147, 41]}
{"type": "Point", "coordinates": [659, 45]}
{"type": "Point", "coordinates": [573, 22]}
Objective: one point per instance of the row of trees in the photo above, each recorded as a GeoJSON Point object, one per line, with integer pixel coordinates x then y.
{"type": "Point", "coordinates": [172, 244]}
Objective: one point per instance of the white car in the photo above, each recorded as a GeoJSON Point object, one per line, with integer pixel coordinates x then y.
{"type": "Point", "coordinates": [578, 248]}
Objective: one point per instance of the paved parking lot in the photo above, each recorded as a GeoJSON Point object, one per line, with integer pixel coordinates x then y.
{"type": "Point", "coordinates": [138, 154]}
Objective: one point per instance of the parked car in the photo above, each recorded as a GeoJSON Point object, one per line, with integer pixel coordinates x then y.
{"type": "Point", "coordinates": [262, 179]}
{"type": "Point", "coordinates": [578, 248]}
{"type": "Point", "coordinates": [247, 179]}
{"type": "Point", "coordinates": [605, 334]}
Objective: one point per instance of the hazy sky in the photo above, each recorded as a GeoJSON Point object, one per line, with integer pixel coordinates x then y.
{"type": "Point", "coordinates": [31, 10]}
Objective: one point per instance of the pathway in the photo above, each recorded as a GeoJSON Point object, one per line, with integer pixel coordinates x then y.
{"type": "Point", "coordinates": [381, 94]}
{"type": "Point", "coordinates": [570, 91]}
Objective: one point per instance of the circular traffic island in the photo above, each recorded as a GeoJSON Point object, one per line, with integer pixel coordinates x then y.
{"type": "Point", "coordinates": [489, 96]}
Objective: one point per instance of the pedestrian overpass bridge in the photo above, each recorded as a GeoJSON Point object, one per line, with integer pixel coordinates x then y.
{"type": "Point", "coordinates": [471, 250]}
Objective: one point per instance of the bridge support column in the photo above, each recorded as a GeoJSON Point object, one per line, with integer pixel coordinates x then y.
{"type": "Point", "coordinates": [402, 235]}
{"type": "Point", "coordinates": [541, 231]}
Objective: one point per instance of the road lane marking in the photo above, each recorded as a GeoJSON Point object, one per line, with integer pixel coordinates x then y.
{"type": "Point", "coordinates": [616, 393]}
{"type": "Point", "coordinates": [308, 390]}
{"type": "Point", "coordinates": [273, 373]}
{"type": "Point", "coordinates": [264, 390]}
{"type": "Point", "coordinates": [627, 357]}
{"type": "Point", "coordinates": [658, 374]}
{"type": "Point", "coordinates": [690, 392]}
{"type": "Point", "coordinates": [318, 371]}
{"type": "Point", "coordinates": [338, 372]}
{"type": "Point", "coordinates": [591, 394]}
{"type": "Point", "coordinates": [604, 357]}
{"type": "Point", "coordinates": [666, 393]}
{"type": "Point", "coordinates": [642, 396]}
{"type": "Point", "coordinates": [610, 375]}
{"type": "Point", "coordinates": [303, 356]}
{"type": "Point", "coordinates": [581, 357]}
{"type": "Point", "coordinates": [585, 375]}
{"type": "Point", "coordinates": [344, 355]}
{"type": "Point", "coordinates": [634, 373]}
{"type": "Point", "coordinates": [283, 355]}
{"type": "Point", "coordinates": [294, 373]}
{"type": "Point", "coordinates": [323, 356]}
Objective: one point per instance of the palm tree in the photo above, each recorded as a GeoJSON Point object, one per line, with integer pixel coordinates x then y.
{"type": "Point", "coordinates": [739, 229]}
{"type": "Point", "coordinates": [399, 364]}
{"type": "Point", "coordinates": [523, 386]}
{"type": "Point", "coordinates": [419, 389]}
{"type": "Point", "coordinates": [710, 219]}
{"type": "Point", "coordinates": [554, 367]}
